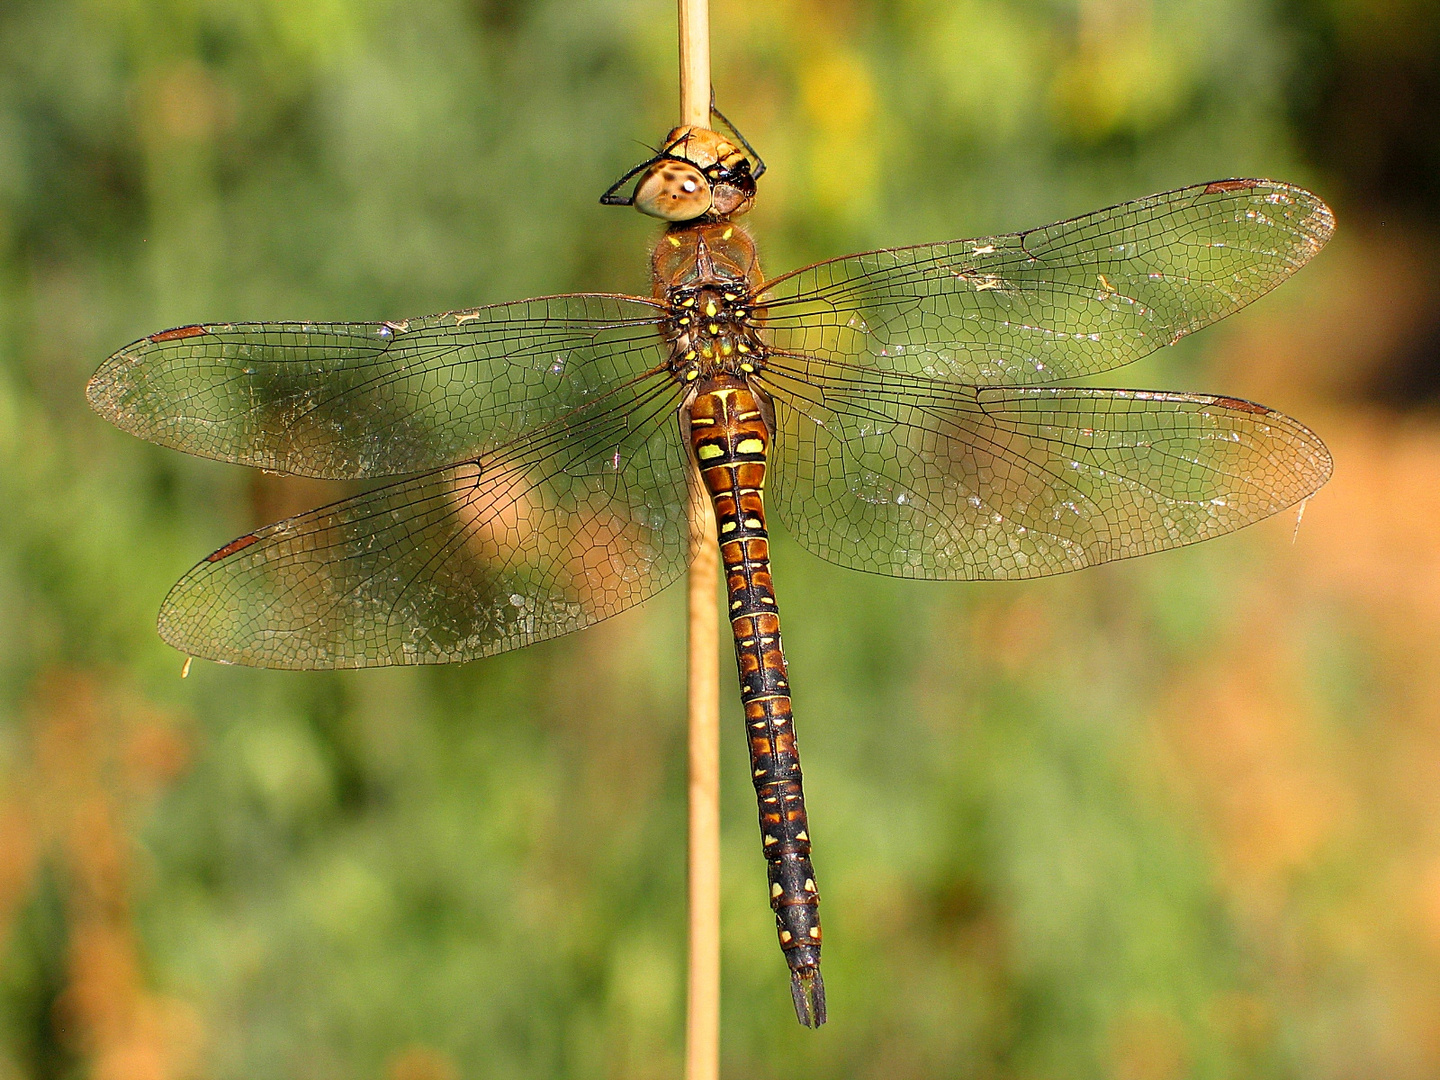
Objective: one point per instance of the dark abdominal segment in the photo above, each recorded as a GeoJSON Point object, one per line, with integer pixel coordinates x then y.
{"type": "Point", "coordinates": [730, 441]}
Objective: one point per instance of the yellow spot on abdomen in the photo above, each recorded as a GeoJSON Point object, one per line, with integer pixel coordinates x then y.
{"type": "Point", "coordinates": [707, 452]}
{"type": "Point", "coordinates": [750, 446]}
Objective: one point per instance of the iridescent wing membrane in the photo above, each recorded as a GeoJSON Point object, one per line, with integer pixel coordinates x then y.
{"type": "Point", "coordinates": [553, 487]}
{"type": "Point", "coordinates": [358, 400]}
{"type": "Point", "coordinates": [914, 437]}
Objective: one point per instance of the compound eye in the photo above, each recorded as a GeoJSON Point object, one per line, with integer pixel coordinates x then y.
{"type": "Point", "coordinates": [732, 200]}
{"type": "Point", "coordinates": [674, 191]}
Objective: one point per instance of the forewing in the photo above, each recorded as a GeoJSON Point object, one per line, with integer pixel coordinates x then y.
{"type": "Point", "coordinates": [355, 400]}
{"type": "Point", "coordinates": [929, 480]}
{"type": "Point", "coordinates": [580, 520]}
{"type": "Point", "coordinates": [1057, 302]}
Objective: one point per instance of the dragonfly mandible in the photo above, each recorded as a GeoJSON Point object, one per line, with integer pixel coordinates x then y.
{"type": "Point", "coordinates": [897, 410]}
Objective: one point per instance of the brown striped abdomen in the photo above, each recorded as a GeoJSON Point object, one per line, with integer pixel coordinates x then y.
{"type": "Point", "coordinates": [730, 440]}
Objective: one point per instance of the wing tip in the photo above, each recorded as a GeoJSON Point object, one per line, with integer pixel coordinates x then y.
{"type": "Point", "coordinates": [117, 377]}
{"type": "Point", "coordinates": [1314, 466]}
{"type": "Point", "coordinates": [1318, 224]}
{"type": "Point", "coordinates": [202, 635]}
{"type": "Point", "coordinates": [1315, 222]}
{"type": "Point", "coordinates": [108, 387]}
{"type": "Point", "coordinates": [1323, 463]}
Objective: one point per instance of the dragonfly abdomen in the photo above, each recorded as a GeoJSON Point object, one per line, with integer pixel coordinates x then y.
{"type": "Point", "coordinates": [730, 439]}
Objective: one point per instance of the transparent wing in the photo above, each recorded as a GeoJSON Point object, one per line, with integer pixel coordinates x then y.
{"type": "Point", "coordinates": [355, 400]}
{"type": "Point", "coordinates": [923, 479]}
{"type": "Point", "coordinates": [1057, 302]}
{"type": "Point", "coordinates": [577, 521]}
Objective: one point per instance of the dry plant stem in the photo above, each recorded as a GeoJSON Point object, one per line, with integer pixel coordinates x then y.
{"type": "Point", "coordinates": [702, 1007]}
{"type": "Point", "coordinates": [695, 62]}
{"type": "Point", "coordinates": [702, 1013]}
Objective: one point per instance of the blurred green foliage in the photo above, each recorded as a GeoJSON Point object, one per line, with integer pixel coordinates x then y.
{"type": "Point", "coordinates": [479, 871]}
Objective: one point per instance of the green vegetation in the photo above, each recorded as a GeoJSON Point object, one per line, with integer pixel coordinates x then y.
{"type": "Point", "coordinates": [1164, 819]}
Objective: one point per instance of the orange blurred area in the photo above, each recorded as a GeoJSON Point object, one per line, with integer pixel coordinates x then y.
{"type": "Point", "coordinates": [92, 762]}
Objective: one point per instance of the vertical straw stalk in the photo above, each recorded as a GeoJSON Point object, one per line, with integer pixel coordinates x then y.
{"type": "Point", "coordinates": [695, 62]}
{"type": "Point", "coordinates": [702, 1005]}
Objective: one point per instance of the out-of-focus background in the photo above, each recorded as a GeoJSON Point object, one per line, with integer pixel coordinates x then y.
{"type": "Point", "coordinates": [1173, 818]}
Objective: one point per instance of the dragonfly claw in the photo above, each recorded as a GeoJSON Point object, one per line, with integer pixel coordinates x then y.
{"type": "Point", "coordinates": [808, 990]}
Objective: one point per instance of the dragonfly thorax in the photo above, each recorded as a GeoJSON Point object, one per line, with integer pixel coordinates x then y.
{"type": "Point", "coordinates": [711, 330]}
{"type": "Point", "coordinates": [706, 275]}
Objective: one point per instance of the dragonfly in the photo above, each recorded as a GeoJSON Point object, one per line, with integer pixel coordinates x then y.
{"type": "Point", "coordinates": [544, 464]}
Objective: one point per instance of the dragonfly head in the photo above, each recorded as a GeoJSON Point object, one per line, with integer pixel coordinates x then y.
{"type": "Point", "coordinates": [698, 174]}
